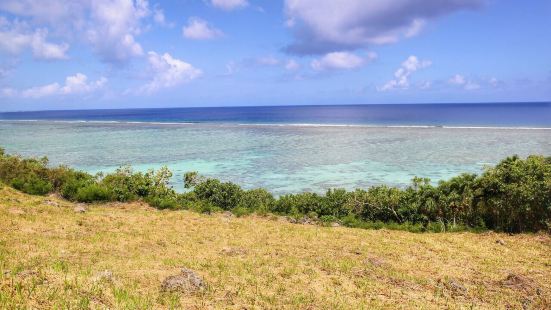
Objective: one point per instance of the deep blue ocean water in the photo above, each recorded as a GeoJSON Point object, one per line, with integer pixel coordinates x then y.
{"type": "Point", "coordinates": [493, 114]}
{"type": "Point", "coordinates": [287, 149]}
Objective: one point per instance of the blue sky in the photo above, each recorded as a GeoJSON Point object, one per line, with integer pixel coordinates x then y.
{"type": "Point", "coordinates": [114, 54]}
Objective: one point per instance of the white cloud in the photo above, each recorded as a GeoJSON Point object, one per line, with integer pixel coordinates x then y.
{"type": "Point", "coordinates": [199, 29]}
{"type": "Point", "coordinates": [79, 84]}
{"type": "Point", "coordinates": [114, 27]}
{"type": "Point", "coordinates": [16, 37]}
{"type": "Point", "coordinates": [494, 82]}
{"type": "Point", "coordinates": [415, 28]}
{"type": "Point", "coordinates": [457, 79]}
{"type": "Point", "coordinates": [159, 17]}
{"type": "Point", "coordinates": [471, 86]}
{"type": "Point", "coordinates": [110, 27]}
{"type": "Point", "coordinates": [229, 4]}
{"type": "Point", "coordinates": [322, 26]}
{"type": "Point", "coordinates": [7, 92]}
{"type": "Point", "coordinates": [401, 76]}
{"type": "Point", "coordinates": [292, 65]}
{"type": "Point", "coordinates": [168, 72]}
{"type": "Point", "coordinates": [426, 85]}
{"type": "Point", "coordinates": [55, 13]}
{"type": "Point", "coordinates": [341, 61]}
{"type": "Point", "coordinates": [75, 84]}
{"type": "Point", "coordinates": [462, 81]}
{"type": "Point", "coordinates": [41, 91]}
{"type": "Point", "coordinates": [268, 61]}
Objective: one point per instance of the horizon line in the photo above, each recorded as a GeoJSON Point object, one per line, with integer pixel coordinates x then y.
{"type": "Point", "coordinates": [275, 106]}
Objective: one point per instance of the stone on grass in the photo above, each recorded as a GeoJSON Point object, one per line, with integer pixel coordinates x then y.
{"type": "Point", "coordinates": [51, 203]}
{"type": "Point", "coordinates": [229, 251]}
{"type": "Point", "coordinates": [80, 208]}
{"type": "Point", "coordinates": [500, 241]}
{"type": "Point", "coordinates": [186, 282]}
{"type": "Point", "coordinates": [104, 276]}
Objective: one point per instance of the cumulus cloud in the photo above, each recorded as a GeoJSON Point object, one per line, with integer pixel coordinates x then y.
{"type": "Point", "coordinates": [110, 27]}
{"type": "Point", "coordinates": [462, 81]}
{"type": "Point", "coordinates": [229, 5]}
{"type": "Point", "coordinates": [61, 14]}
{"type": "Point", "coordinates": [292, 65]}
{"type": "Point", "coordinates": [16, 38]}
{"type": "Point", "coordinates": [322, 26]}
{"type": "Point", "coordinates": [402, 75]}
{"type": "Point", "coordinates": [457, 79]}
{"type": "Point", "coordinates": [341, 61]}
{"type": "Point", "coordinates": [115, 25]}
{"type": "Point", "coordinates": [159, 17]}
{"type": "Point", "coordinates": [7, 92]}
{"type": "Point", "coordinates": [198, 29]}
{"type": "Point", "coordinates": [75, 84]}
{"type": "Point", "coordinates": [267, 61]}
{"type": "Point", "coordinates": [168, 71]}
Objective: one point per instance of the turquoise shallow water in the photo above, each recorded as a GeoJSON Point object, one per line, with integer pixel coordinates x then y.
{"type": "Point", "coordinates": [281, 158]}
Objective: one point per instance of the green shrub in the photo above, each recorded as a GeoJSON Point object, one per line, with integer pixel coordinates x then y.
{"type": "Point", "coordinates": [224, 195]}
{"type": "Point", "coordinates": [513, 196]}
{"type": "Point", "coordinates": [93, 193]}
{"type": "Point", "coordinates": [73, 183]}
{"type": "Point", "coordinates": [165, 202]}
{"type": "Point", "coordinates": [32, 184]}
{"type": "Point", "coordinates": [258, 200]}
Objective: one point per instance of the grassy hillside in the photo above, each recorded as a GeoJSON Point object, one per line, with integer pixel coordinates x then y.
{"type": "Point", "coordinates": [52, 256]}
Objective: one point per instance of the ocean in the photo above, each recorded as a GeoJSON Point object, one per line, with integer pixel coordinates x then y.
{"type": "Point", "coordinates": [287, 149]}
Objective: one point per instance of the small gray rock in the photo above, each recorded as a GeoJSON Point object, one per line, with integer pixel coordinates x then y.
{"type": "Point", "coordinates": [80, 208]}
{"type": "Point", "coordinates": [51, 203]}
{"type": "Point", "coordinates": [500, 241]}
{"type": "Point", "coordinates": [104, 276]}
{"type": "Point", "coordinates": [335, 224]}
{"type": "Point", "coordinates": [186, 282]}
{"type": "Point", "coordinates": [229, 251]}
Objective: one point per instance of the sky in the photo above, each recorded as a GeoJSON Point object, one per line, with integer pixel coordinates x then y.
{"type": "Point", "coordinates": [101, 54]}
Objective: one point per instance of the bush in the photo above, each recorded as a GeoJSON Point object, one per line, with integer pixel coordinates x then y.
{"type": "Point", "coordinates": [73, 183]}
{"type": "Point", "coordinates": [513, 196]}
{"type": "Point", "coordinates": [161, 202]}
{"type": "Point", "coordinates": [225, 195]}
{"type": "Point", "coordinates": [32, 184]}
{"type": "Point", "coordinates": [93, 193]}
{"type": "Point", "coordinates": [258, 200]}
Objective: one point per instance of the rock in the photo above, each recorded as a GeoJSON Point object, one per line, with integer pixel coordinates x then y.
{"type": "Point", "coordinates": [186, 282]}
{"type": "Point", "coordinates": [375, 261]}
{"type": "Point", "coordinates": [233, 251]}
{"type": "Point", "coordinates": [291, 220]}
{"type": "Point", "coordinates": [227, 214]}
{"type": "Point", "coordinates": [51, 203]}
{"type": "Point", "coordinates": [306, 221]}
{"type": "Point", "coordinates": [335, 224]}
{"type": "Point", "coordinates": [455, 287]}
{"type": "Point", "coordinates": [500, 241]}
{"type": "Point", "coordinates": [104, 276]}
{"type": "Point", "coordinates": [27, 273]}
{"type": "Point", "coordinates": [80, 208]}
{"type": "Point", "coordinates": [519, 282]}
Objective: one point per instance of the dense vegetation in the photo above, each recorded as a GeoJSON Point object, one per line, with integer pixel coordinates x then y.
{"type": "Point", "coordinates": [513, 196]}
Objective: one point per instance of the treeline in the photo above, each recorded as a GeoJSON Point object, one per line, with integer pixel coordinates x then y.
{"type": "Point", "coordinates": [513, 196]}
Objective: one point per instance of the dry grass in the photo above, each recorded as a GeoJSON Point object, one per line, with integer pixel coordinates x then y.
{"type": "Point", "coordinates": [50, 257]}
